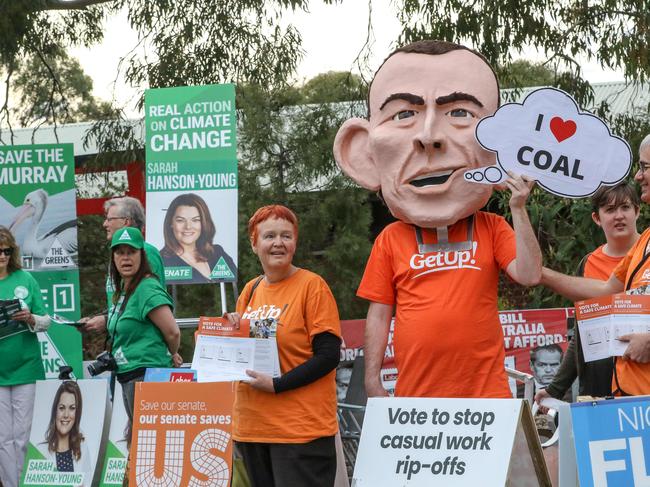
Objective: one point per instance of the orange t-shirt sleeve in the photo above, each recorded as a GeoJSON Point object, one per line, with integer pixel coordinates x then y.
{"type": "Point", "coordinates": [620, 271]}
{"type": "Point", "coordinates": [377, 281]}
{"type": "Point", "coordinates": [321, 312]}
{"type": "Point", "coordinates": [505, 245]}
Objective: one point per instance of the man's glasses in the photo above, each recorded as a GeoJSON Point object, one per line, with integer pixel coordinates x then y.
{"type": "Point", "coordinates": [111, 218]}
{"type": "Point", "coordinates": [8, 251]}
{"type": "Point", "coordinates": [644, 166]}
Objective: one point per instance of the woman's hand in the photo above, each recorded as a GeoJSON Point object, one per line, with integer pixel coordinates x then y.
{"type": "Point", "coordinates": [24, 315]}
{"type": "Point", "coordinates": [260, 381]}
{"type": "Point", "coordinates": [233, 319]}
{"type": "Point", "coordinates": [177, 360]}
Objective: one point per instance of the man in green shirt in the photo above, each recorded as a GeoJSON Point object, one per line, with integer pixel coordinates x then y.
{"type": "Point", "coordinates": [120, 213]}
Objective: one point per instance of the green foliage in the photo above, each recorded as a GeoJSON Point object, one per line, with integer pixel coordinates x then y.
{"type": "Point", "coordinates": [202, 41]}
{"type": "Point", "coordinates": [522, 73]}
{"type": "Point", "coordinates": [334, 86]}
{"type": "Point", "coordinates": [286, 158]}
{"type": "Point", "coordinates": [54, 89]}
{"type": "Point", "coordinates": [615, 32]}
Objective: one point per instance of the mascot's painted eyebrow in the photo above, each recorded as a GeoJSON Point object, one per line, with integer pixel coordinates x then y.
{"type": "Point", "coordinates": [441, 100]}
{"type": "Point", "coordinates": [458, 96]}
{"type": "Point", "coordinates": [409, 97]}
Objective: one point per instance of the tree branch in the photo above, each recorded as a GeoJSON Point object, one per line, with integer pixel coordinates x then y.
{"type": "Point", "coordinates": [70, 4]}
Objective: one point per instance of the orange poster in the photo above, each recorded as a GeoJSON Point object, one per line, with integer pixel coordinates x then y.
{"type": "Point", "coordinates": [182, 434]}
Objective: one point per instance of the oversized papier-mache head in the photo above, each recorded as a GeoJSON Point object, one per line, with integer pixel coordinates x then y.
{"type": "Point", "coordinates": [418, 140]}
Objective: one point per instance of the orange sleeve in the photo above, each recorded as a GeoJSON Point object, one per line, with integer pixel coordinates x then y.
{"type": "Point", "coordinates": [377, 281]}
{"type": "Point", "coordinates": [321, 313]}
{"type": "Point", "coordinates": [505, 245]}
{"type": "Point", "coordinates": [620, 271]}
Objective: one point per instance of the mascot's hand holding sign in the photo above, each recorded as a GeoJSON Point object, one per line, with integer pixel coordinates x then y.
{"type": "Point", "coordinates": [438, 267]}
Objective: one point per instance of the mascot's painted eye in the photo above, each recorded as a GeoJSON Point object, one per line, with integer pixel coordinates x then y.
{"type": "Point", "coordinates": [460, 113]}
{"type": "Point", "coordinates": [404, 114]}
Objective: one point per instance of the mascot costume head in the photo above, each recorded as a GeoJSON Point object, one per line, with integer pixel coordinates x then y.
{"type": "Point", "coordinates": [418, 140]}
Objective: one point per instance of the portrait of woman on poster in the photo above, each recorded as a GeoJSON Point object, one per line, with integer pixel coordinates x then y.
{"type": "Point", "coordinates": [189, 233]}
{"type": "Point", "coordinates": [65, 444]}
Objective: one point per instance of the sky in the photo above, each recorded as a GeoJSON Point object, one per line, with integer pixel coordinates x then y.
{"type": "Point", "coordinates": [333, 36]}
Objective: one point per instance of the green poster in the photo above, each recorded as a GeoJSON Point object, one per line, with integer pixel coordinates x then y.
{"type": "Point", "coordinates": [191, 181]}
{"type": "Point", "coordinates": [61, 345]}
{"type": "Point", "coordinates": [38, 205]}
{"type": "Point", "coordinates": [68, 416]}
{"type": "Point", "coordinates": [117, 454]}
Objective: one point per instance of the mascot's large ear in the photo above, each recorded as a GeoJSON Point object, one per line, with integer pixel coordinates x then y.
{"type": "Point", "coordinates": [352, 153]}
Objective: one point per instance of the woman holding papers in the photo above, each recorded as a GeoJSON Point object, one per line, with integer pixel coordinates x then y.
{"type": "Point", "coordinates": [141, 325]}
{"type": "Point", "coordinates": [21, 358]}
{"type": "Point", "coordinates": [285, 426]}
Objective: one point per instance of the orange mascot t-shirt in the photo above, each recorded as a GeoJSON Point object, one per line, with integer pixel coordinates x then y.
{"type": "Point", "coordinates": [599, 265]}
{"type": "Point", "coordinates": [304, 307]}
{"type": "Point", "coordinates": [447, 338]}
{"type": "Point", "coordinates": [633, 377]}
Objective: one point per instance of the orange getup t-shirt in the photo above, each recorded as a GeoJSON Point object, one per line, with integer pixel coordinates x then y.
{"type": "Point", "coordinates": [447, 338]}
{"type": "Point", "coordinates": [599, 265]}
{"type": "Point", "coordinates": [304, 307]}
{"type": "Point", "coordinates": [633, 377]}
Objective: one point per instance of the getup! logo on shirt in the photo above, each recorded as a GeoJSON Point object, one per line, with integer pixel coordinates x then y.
{"type": "Point", "coordinates": [444, 261]}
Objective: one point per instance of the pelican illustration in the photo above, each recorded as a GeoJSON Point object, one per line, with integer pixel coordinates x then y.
{"type": "Point", "coordinates": [33, 207]}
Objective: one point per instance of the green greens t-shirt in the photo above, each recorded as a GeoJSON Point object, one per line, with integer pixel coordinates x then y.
{"type": "Point", "coordinates": [137, 342]}
{"type": "Point", "coordinates": [21, 353]}
{"type": "Point", "coordinates": [157, 267]}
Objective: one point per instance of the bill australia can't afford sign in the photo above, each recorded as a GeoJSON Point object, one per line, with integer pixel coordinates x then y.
{"type": "Point", "coordinates": [191, 181]}
{"type": "Point", "coordinates": [612, 440]}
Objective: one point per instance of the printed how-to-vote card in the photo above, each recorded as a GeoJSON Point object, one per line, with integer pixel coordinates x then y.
{"type": "Point", "coordinates": [569, 152]}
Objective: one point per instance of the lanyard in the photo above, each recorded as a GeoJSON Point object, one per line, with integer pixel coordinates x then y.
{"type": "Point", "coordinates": [444, 245]}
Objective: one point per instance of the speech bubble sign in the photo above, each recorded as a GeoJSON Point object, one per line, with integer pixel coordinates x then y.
{"type": "Point", "coordinates": [569, 152]}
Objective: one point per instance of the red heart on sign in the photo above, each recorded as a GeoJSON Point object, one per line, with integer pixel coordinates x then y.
{"type": "Point", "coordinates": [562, 129]}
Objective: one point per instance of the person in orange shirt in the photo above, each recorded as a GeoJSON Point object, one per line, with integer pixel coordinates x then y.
{"type": "Point", "coordinates": [632, 274]}
{"type": "Point", "coordinates": [285, 426]}
{"type": "Point", "coordinates": [615, 210]}
{"type": "Point", "coordinates": [438, 267]}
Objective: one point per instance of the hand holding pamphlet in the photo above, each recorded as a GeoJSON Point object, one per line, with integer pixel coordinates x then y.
{"type": "Point", "coordinates": [9, 327]}
{"type": "Point", "coordinates": [224, 352]}
{"type": "Point", "coordinates": [601, 321]}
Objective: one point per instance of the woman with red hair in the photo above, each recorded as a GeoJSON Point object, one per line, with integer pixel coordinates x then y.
{"type": "Point", "coordinates": [285, 426]}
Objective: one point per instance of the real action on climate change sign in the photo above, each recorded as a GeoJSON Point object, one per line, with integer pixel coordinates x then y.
{"type": "Point", "coordinates": [191, 181]}
{"type": "Point", "coordinates": [38, 205]}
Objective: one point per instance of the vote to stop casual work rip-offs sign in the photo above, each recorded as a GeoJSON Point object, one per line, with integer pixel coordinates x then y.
{"type": "Point", "coordinates": [450, 442]}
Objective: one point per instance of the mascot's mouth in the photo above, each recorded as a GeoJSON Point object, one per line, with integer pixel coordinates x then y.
{"type": "Point", "coordinates": [432, 179]}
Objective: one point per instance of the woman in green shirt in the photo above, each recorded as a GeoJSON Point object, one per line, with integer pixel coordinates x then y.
{"type": "Point", "coordinates": [21, 364]}
{"type": "Point", "coordinates": [141, 325]}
